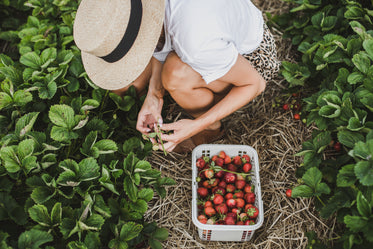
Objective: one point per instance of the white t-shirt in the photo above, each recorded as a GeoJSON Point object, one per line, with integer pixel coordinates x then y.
{"type": "Point", "coordinates": [208, 35]}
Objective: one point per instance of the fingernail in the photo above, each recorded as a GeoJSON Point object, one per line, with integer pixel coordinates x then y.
{"type": "Point", "coordinates": [148, 130]}
{"type": "Point", "coordinates": [160, 122]}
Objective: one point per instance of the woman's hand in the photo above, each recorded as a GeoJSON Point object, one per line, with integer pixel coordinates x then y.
{"type": "Point", "coordinates": [182, 130]}
{"type": "Point", "coordinates": [150, 114]}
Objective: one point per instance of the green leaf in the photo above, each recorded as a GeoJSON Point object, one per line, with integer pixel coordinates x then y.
{"type": "Point", "coordinates": [62, 134]}
{"type": "Point", "coordinates": [322, 188]}
{"type": "Point", "coordinates": [363, 205]}
{"type": "Point", "coordinates": [39, 214]}
{"type": "Point", "coordinates": [361, 150]}
{"type": "Point", "coordinates": [56, 213]}
{"type": "Point", "coordinates": [62, 115]}
{"type": "Point", "coordinates": [106, 146]}
{"type": "Point", "coordinates": [361, 62]}
{"type": "Point", "coordinates": [47, 56]}
{"type": "Point", "coordinates": [364, 172]}
{"type": "Point", "coordinates": [88, 169]}
{"type": "Point", "coordinates": [355, 223]}
{"type": "Point", "coordinates": [368, 46]}
{"type": "Point", "coordinates": [130, 230]}
{"type": "Point", "coordinates": [329, 111]}
{"type": "Point", "coordinates": [5, 100]}
{"type": "Point", "coordinates": [354, 12]}
{"type": "Point", "coordinates": [47, 91]}
{"type": "Point", "coordinates": [33, 239]}
{"type": "Point", "coordinates": [42, 194]}
{"type": "Point", "coordinates": [355, 78]}
{"type": "Point", "coordinates": [142, 166]}
{"type": "Point", "coordinates": [354, 124]}
{"type": "Point", "coordinates": [25, 148]}
{"type": "Point", "coordinates": [146, 194]}
{"type": "Point", "coordinates": [349, 138]}
{"type": "Point", "coordinates": [11, 162]}
{"type": "Point", "coordinates": [312, 177]}
{"type": "Point", "coordinates": [130, 188]}
{"type": "Point", "coordinates": [160, 234]}
{"type": "Point", "coordinates": [25, 123]}
{"type": "Point", "coordinates": [346, 176]}
{"type": "Point", "coordinates": [321, 141]}
{"type": "Point", "coordinates": [31, 59]}
{"type": "Point", "coordinates": [155, 244]}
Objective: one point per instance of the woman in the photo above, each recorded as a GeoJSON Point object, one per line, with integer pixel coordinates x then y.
{"type": "Point", "coordinates": [212, 56]}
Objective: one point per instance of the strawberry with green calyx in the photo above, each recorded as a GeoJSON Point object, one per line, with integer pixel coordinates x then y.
{"type": "Point", "coordinates": [209, 173]}
{"type": "Point", "coordinates": [249, 222]}
{"type": "Point", "coordinates": [240, 203]}
{"type": "Point", "coordinates": [217, 199]}
{"type": "Point", "coordinates": [238, 194]}
{"type": "Point", "coordinates": [246, 167]}
{"type": "Point", "coordinates": [230, 188]}
{"type": "Point", "coordinates": [249, 198]}
{"type": "Point", "coordinates": [210, 211]}
{"type": "Point", "coordinates": [237, 160]}
{"type": "Point", "coordinates": [202, 192]}
{"type": "Point", "coordinates": [202, 218]}
{"type": "Point", "coordinates": [251, 211]}
{"type": "Point", "coordinates": [245, 158]}
{"type": "Point", "coordinates": [222, 208]}
{"type": "Point", "coordinates": [210, 221]}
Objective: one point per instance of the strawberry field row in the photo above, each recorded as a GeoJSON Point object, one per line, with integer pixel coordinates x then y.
{"type": "Point", "coordinates": [72, 168]}
{"type": "Point", "coordinates": [334, 40]}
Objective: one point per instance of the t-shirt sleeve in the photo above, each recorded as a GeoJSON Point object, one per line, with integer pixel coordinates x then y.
{"type": "Point", "coordinates": [212, 60]}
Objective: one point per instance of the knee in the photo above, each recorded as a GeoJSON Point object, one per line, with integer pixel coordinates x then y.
{"type": "Point", "coordinates": [262, 85]}
{"type": "Point", "coordinates": [173, 73]}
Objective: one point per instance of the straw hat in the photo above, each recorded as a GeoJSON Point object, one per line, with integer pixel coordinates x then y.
{"type": "Point", "coordinates": [117, 38]}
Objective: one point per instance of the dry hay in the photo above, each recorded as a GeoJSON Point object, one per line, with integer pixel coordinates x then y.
{"type": "Point", "coordinates": [277, 137]}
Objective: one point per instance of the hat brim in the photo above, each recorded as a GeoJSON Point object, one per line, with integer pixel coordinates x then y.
{"type": "Point", "coordinates": [117, 75]}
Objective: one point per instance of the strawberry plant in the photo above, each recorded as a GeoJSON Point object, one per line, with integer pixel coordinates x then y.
{"type": "Point", "coordinates": [73, 172]}
{"type": "Point", "coordinates": [334, 40]}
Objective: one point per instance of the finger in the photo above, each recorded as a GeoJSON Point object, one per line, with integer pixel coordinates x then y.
{"type": "Point", "coordinates": [169, 126]}
{"type": "Point", "coordinates": [141, 128]}
{"type": "Point", "coordinates": [169, 146]}
{"type": "Point", "coordinates": [167, 137]}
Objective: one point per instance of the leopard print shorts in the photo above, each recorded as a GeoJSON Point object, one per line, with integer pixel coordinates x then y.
{"type": "Point", "coordinates": [264, 58]}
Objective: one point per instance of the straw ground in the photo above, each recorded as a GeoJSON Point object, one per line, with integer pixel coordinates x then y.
{"type": "Point", "coordinates": [277, 137]}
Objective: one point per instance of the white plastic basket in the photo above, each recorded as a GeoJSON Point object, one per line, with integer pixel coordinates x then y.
{"type": "Point", "coordinates": [227, 232]}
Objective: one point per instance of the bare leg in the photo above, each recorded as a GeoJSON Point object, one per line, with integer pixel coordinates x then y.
{"type": "Point", "coordinates": [189, 90]}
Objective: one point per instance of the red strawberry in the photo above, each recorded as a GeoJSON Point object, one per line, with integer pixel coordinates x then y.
{"type": "Point", "coordinates": [200, 163]}
{"type": "Point", "coordinates": [288, 193]}
{"type": "Point", "coordinates": [228, 196]}
{"type": "Point", "coordinates": [232, 167]}
{"type": "Point", "coordinates": [222, 154]}
{"type": "Point", "coordinates": [210, 211]}
{"type": "Point", "coordinates": [246, 167]}
{"type": "Point", "coordinates": [337, 146]}
{"type": "Point", "coordinates": [239, 223]}
{"type": "Point", "coordinates": [240, 203]}
{"type": "Point", "coordinates": [218, 199]}
{"type": "Point", "coordinates": [202, 218]}
{"type": "Point", "coordinates": [251, 211]}
{"type": "Point", "coordinates": [249, 222]}
{"type": "Point", "coordinates": [229, 220]}
{"type": "Point", "coordinates": [206, 184]}
{"type": "Point", "coordinates": [238, 194]}
{"type": "Point", "coordinates": [231, 203]}
{"type": "Point", "coordinates": [208, 204]}
{"type": "Point", "coordinates": [222, 184]}
{"type": "Point", "coordinates": [230, 177]}
{"type": "Point", "coordinates": [240, 177]}
{"type": "Point", "coordinates": [219, 161]}
{"type": "Point", "coordinates": [214, 158]}
{"type": "Point", "coordinates": [237, 160]}
{"type": "Point", "coordinates": [296, 116]}
{"type": "Point", "coordinates": [209, 173]}
{"type": "Point", "coordinates": [236, 211]}
{"type": "Point", "coordinates": [214, 182]}
{"type": "Point", "coordinates": [227, 160]}
{"type": "Point", "coordinates": [222, 208]}
{"type": "Point", "coordinates": [230, 188]}
{"type": "Point", "coordinates": [240, 184]}
{"type": "Point", "coordinates": [232, 214]}
{"type": "Point", "coordinates": [219, 190]}
{"type": "Point", "coordinates": [249, 198]}
{"type": "Point", "coordinates": [202, 192]}
{"type": "Point", "coordinates": [245, 158]}
{"type": "Point", "coordinates": [248, 188]}
{"type": "Point", "coordinates": [244, 216]}
{"type": "Point", "coordinates": [285, 107]}
{"type": "Point", "coordinates": [220, 174]}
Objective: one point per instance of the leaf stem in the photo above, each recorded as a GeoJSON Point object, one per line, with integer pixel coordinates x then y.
{"type": "Point", "coordinates": [318, 197]}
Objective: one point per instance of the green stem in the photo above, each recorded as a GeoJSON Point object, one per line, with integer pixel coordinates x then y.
{"type": "Point", "coordinates": [103, 104]}
{"type": "Point", "coordinates": [318, 197]}
{"type": "Point", "coordinates": [221, 169]}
